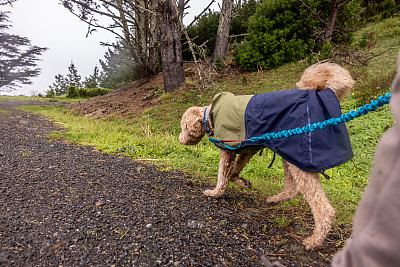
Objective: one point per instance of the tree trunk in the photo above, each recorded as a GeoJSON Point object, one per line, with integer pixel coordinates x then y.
{"type": "Point", "coordinates": [332, 21]}
{"type": "Point", "coordinates": [147, 36]}
{"type": "Point", "coordinates": [133, 21]}
{"type": "Point", "coordinates": [170, 46]}
{"type": "Point", "coordinates": [125, 28]}
{"type": "Point", "coordinates": [222, 41]}
{"type": "Point", "coordinates": [142, 42]}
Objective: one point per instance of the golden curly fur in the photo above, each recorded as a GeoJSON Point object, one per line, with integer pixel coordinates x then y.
{"type": "Point", "coordinates": [297, 181]}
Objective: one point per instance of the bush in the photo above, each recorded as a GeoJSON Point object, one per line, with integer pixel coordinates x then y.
{"type": "Point", "coordinates": [76, 92]}
{"type": "Point", "coordinates": [72, 92]}
{"type": "Point", "coordinates": [279, 32]}
{"type": "Point", "coordinates": [50, 93]}
{"type": "Point", "coordinates": [379, 9]}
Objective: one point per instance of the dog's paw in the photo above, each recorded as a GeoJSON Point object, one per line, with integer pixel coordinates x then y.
{"type": "Point", "coordinates": [275, 199]}
{"type": "Point", "coordinates": [213, 193]}
{"type": "Point", "coordinates": [239, 181]}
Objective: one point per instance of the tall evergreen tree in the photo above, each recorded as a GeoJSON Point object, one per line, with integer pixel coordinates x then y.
{"type": "Point", "coordinates": [170, 44]}
{"type": "Point", "coordinates": [93, 80]}
{"type": "Point", "coordinates": [73, 78]}
{"type": "Point", "coordinates": [132, 22]}
{"type": "Point", "coordinates": [145, 27]}
{"type": "Point", "coordinates": [60, 85]}
{"type": "Point", "coordinates": [116, 68]}
{"type": "Point", "coordinates": [18, 58]}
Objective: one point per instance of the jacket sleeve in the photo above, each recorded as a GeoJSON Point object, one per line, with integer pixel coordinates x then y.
{"type": "Point", "coordinates": [376, 232]}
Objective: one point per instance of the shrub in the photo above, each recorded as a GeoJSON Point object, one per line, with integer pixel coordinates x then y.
{"type": "Point", "coordinates": [279, 32]}
{"type": "Point", "coordinates": [75, 92]}
{"type": "Point", "coordinates": [50, 93]}
{"type": "Point", "coordinates": [72, 92]}
{"type": "Point", "coordinates": [380, 9]}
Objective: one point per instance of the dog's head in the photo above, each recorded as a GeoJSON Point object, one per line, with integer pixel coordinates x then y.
{"type": "Point", "coordinates": [327, 75]}
{"type": "Point", "coordinates": [192, 130]}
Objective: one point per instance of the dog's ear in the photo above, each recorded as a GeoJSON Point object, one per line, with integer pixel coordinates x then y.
{"type": "Point", "coordinates": [192, 130]}
{"type": "Point", "coordinates": [192, 121]}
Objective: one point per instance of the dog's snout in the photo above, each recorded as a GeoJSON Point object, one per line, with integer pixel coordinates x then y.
{"type": "Point", "coordinates": [181, 138]}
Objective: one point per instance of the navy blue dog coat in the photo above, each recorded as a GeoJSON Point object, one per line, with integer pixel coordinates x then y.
{"type": "Point", "coordinates": [242, 117]}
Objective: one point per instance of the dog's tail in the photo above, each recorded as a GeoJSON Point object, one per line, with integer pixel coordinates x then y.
{"type": "Point", "coordinates": [327, 75]}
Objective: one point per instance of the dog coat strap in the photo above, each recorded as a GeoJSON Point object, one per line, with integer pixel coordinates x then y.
{"type": "Point", "coordinates": [272, 161]}
{"type": "Point", "coordinates": [325, 175]}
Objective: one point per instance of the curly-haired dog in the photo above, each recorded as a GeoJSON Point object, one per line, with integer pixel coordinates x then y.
{"type": "Point", "coordinates": [234, 119]}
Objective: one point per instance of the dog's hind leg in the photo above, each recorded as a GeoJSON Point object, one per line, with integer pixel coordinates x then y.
{"type": "Point", "coordinates": [290, 191]}
{"type": "Point", "coordinates": [309, 185]}
{"type": "Point", "coordinates": [240, 162]}
{"type": "Point", "coordinates": [226, 161]}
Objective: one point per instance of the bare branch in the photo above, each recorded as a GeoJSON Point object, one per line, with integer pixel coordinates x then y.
{"type": "Point", "coordinates": [197, 17]}
{"type": "Point", "coordinates": [315, 13]}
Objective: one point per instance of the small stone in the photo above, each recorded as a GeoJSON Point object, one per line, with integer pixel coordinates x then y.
{"type": "Point", "coordinates": [148, 225]}
{"type": "Point", "coordinates": [196, 224]}
{"type": "Point", "coordinates": [100, 203]}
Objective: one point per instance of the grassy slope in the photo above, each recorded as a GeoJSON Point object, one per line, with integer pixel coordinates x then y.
{"type": "Point", "coordinates": [154, 136]}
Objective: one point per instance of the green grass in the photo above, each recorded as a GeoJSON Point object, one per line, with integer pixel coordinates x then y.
{"type": "Point", "coordinates": [153, 136]}
{"type": "Point", "coordinates": [20, 98]}
{"type": "Point", "coordinates": [5, 111]}
{"type": "Point", "coordinates": [34, 98]}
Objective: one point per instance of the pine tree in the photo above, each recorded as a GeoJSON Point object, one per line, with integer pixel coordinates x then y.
{"type": "Point", "coordinates": [18, 58]}
{"type": "Point", "coordinates": [60, 85]}
{"type": "Point", "coordinates": [93, 80]}
{"type": "Point", "coordinates": [73, 78]}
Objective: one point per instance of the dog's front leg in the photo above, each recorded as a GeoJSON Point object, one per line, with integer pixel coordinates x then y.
{"type": "Point", "coordinates": [225, 164]}
{"type": "Point", "coordinates": [290, 191]}
{"type": "Point", "coordinates": [240, 162]}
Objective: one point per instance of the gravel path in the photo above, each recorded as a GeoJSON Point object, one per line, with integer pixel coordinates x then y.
{"type": "Point", "coordinates": [68, 205]}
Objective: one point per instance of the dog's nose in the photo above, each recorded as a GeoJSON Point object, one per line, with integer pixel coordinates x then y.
{"type": "Point", "coordinates": [181, 139]}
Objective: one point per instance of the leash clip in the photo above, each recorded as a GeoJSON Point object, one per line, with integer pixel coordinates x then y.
{"type": "Point", "coordinates": [206, 125]}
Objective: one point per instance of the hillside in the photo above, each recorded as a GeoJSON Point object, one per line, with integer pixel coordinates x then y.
{"type": "Point", "coordinates": [377, 43]}
{"type": "Point", "coordinates": [136, 97]}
